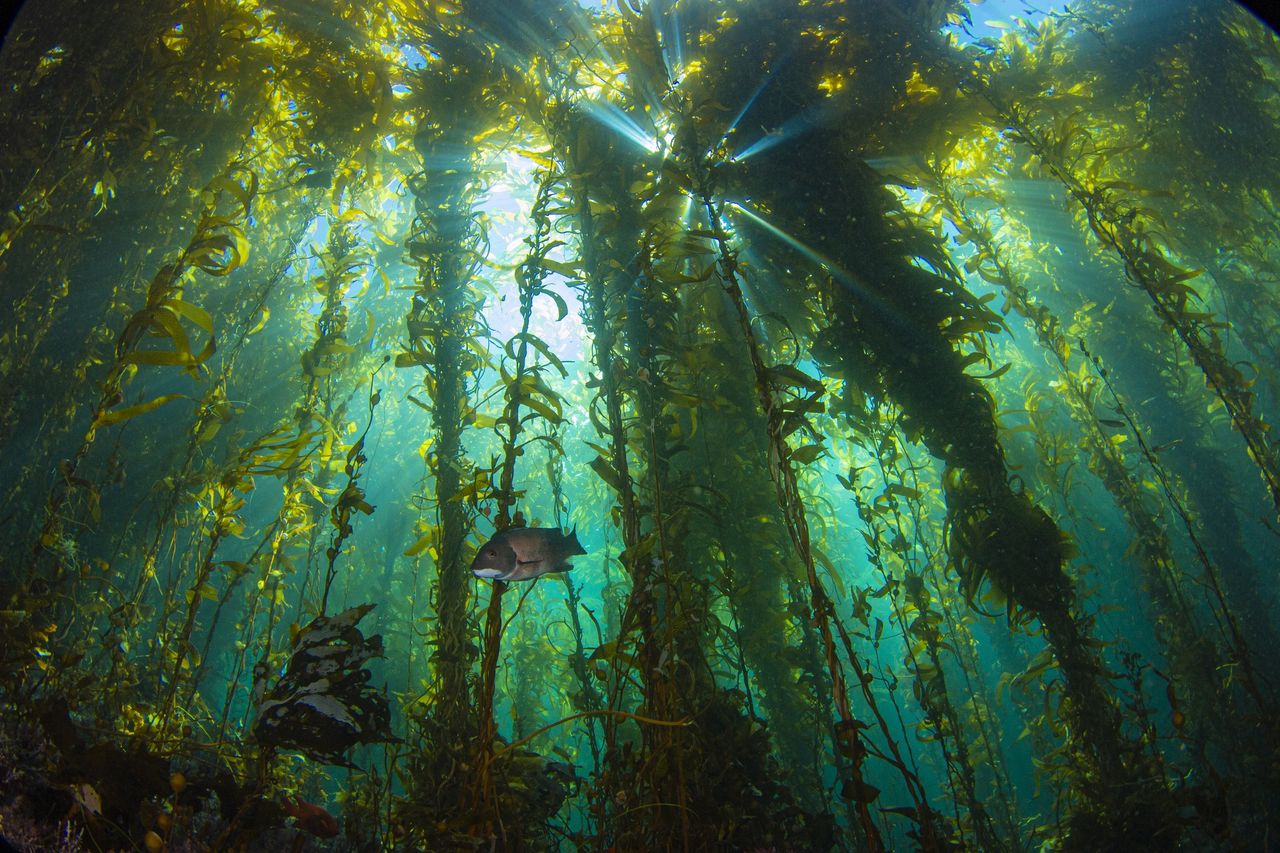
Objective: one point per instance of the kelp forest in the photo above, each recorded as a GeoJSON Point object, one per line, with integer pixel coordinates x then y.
{"type": "Point", "coordinates": [643, 425]}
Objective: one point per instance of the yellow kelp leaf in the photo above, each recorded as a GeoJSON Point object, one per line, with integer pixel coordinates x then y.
{"type": "Point", "coordinates": [105, 189]}
{"type": "Point", "coordinates": [786, 374]}
{"type": "Point", "coordinates": [219, 254]}
{"type": "Point", "coordinates": [473, 489]}
{"type": "Point", "coordinates": [598, 449]}
{"type": "Point", "coordinates": [918, 89]}
{"type": "Point", "coordinates": [823, 560]}
{"type": "Point", "coordinates": [191, 312]}
{"type": "Point", "coordinates": [902, 491]}
{"type": "Point", "coordinates": [244, 192]}
{"type": "Point", "coordinates": [264, 314]}
{"type": "Point", "coordinates": [474, 418]}
{"type": "Point", "coordinates": [566, 270]}
{"type": "Point", "coordinates": [542, 409]}
{"type": "Point", "coordinates": [418, 547]}
{"type": "Point", "coordinates": [607, 473]}
{"type": "Point", "coordinates": [208, 431]}
{"type": "Point", "coordinates": [334, 347]}
{"type": "Point", "coordinates": [368, 332]}
{"type": "Point", "coordinates": [531, 383]}
{"type": "Point", "coordinates": [997, 373]}
{"type": "Point", "coordinates": [166, 324]}
{"type": "Point", "coordinates": [630, 556]}
{"type": "Point", "coordinates": [159, 357]}
{"type": "Point", "coordinates": [968, 326]}
{"type": "Point", "coordinates": [540, 345]}
{"type": "Point", "coordinates": [562, 308]}
{"type": "Point", "coordinates": [118, 415]}
{"type": "Point", "coordinates": [541, 159]}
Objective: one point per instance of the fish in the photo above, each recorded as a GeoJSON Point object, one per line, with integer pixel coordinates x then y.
{"type": "Point", "coordinates": [311, 818]}
{"type": "Point", "coordinates": [525, 553]}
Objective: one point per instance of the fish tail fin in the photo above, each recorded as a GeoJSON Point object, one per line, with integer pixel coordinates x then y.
{"type": "Point", "coordinates": [574, 545]}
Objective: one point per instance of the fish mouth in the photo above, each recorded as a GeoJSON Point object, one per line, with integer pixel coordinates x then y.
{"type": "Point", "coordinates": [488, 573]}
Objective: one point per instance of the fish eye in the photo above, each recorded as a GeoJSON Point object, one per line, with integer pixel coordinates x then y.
{"type": "Point", "coordinates": [493, 553]}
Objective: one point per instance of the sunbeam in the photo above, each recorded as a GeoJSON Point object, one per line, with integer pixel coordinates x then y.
{"type": "Point", "coordinates": [613, 117]}
{"type": "Point", "coordinates": [666, 21]}
{"type": "Point", "coordinates": [755, 94]}
{"type": "Point", "coordinates": [838, 273]}
{"type": "Point", "coordinates": [790, 129]}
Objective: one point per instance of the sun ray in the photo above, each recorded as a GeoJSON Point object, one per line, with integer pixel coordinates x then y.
{"type": "Point", "coordinates": [837, 272]}
{"type": "Point", "coordinates": [614, 118]}
{"type": "Point", "coordinates": [755, 94]}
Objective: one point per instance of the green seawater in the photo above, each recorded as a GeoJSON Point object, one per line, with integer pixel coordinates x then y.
{"type": "Point", "coordinates": [907, 369]}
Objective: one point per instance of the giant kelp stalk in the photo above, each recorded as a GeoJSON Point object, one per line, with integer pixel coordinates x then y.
{"type": "Point", "coordinates": [213, 411]}
{"type": "Point", "coordinates": [894, 535]}
{"type": "Point", "coordinates": [679, 786]}
{"type": "Point", "coordinates": [446, 243]}
{"type": "Point", "coordinates": [282, 452]}
{"type": "Point", "coordinates": [217, 247]}
{"type": "Point", "coordinates": [978, 713]}
{"type": "Point", "coordinates": [608, 236]}
{"type": "Point", "coordinates": [219, 504]}
{"type": "Point", "coordinates": [1068, 150]}
{"type": "Point", "coordinates": [1148, 130]}
{"type": "Point", "coordinates": [528, 399]}
{"type": "Point", "coordinates": [644, 311]}
{"type": "Point", "coordinates": [1197, 89]}
{"type": "Point", "coordinates": [761, 579]}
{"type": "Point", "coordinates": [849, 740]}
{"type": "Point", "coordinates": [285, 116]}
{"type": "Point", "coordinates": [1228, 624]}
{"type": "Point", "coordinates": [935, 618]}
{"type": "Point", "coordinates": [1206, 99]}
{"type": "Point", "coordinates": [89, 107]}
{"type": "Point", "coordinates": [323, 705]}
{"type": "Point", "coordinates": [1193, 655]}
{"type": "Point", "coordinates": [896, 328]}
{"type": "Point", "coordinates": [308, 459]}
{"type": "Point", "coordinates": [351, 499]}
{"type": "Point", "coordinates": [675, 787]}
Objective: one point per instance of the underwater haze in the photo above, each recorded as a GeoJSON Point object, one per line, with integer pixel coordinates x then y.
{"type": "Point", "coordinates": [645, 425]}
